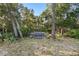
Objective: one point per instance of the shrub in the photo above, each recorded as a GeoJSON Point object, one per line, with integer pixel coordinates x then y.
{"type": "Point", "coordinates": [26, 31]}
{"type": "Point", "coordinates": [58, 36]}
{"type": "Point", "coordinates": [9, 36]}
{"type": "Point", "coordinates": [74, 33]}
{"type": "Point", "coordinates": [49, 36]}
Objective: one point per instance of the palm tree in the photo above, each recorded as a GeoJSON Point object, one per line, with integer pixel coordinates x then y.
{"type": "Point", "coordinates": [51, 8]}
{"type": "Point", "coordinates": [11, 12]}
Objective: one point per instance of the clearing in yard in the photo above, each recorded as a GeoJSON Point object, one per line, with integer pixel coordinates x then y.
{"type": "Point", "coordinates": [40, 47]}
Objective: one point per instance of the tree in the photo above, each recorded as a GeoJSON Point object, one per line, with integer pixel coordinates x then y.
{"type": "Point", "coordinates": [28, 20]}
{"type": "Point", "coordinates": [10, 11]}
{"type": "Point", "coordinates": [52, 11]}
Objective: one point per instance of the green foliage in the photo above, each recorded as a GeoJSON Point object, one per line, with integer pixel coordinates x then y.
{"type": "Point", "coordinates": [61, 8]}
{"type": "Point", "coordinates": [53, 15]}
{"type": "Point", "coordinates": [58, 36]}
{"type": "Point", "coordinates": [74, 33]}
{"type": "Point", "coordinates": [9, 36]}
{"type": "Point", "coordinates": [26, 31]}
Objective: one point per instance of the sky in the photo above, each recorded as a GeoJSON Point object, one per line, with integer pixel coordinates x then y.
{"type": "Point", "coordinates": [37, 7]}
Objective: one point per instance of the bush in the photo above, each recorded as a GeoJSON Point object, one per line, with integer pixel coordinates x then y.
{"type": "Point", "coordinates": [58, 36]}
{"type": "Point", "coordinates": [9, 36]}
{"type": "Point", "coordinates": [26, 31]}
{"type": "Point", "coordinates": [74, 33]}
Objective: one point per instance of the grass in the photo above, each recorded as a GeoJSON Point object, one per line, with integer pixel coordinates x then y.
{"type": "Point", "coordinates": [40, 47]}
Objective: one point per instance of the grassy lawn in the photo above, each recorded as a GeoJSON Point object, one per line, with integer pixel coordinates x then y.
{"type": "Point", "coordinates": [40, 47]}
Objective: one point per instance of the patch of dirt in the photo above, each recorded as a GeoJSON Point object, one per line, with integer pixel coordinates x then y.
{"type": "Point", "coordinates": [40, 47]}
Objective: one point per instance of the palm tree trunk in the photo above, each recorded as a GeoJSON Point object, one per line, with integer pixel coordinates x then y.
{"type": "Point", "coordinates": [53, 21]}
{"type": "Point", "coordinates": [13, 25]}
{"type": "Point", "coordinates": [14, 29]}
{"type": "Point", "coordinates": [18, 29]}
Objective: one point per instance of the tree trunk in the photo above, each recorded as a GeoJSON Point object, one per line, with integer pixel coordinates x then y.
{"type": "Point", "coordinates": [18, 29]}
{"type": "Point", "coordinates": [61, 31]}
{"type": "Point", "coordinates": [53, 21]}
{"type": "Point", "coordinates": [13, 24]}
{"type": "Point", "coordinates": [14, 29]}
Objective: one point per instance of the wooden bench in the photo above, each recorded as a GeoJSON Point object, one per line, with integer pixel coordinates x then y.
{"type": "Point", "coordinates": [37, 35]}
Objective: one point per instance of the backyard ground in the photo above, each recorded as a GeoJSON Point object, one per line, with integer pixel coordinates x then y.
{"type": "Point", "coordinates": [40, 47]}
